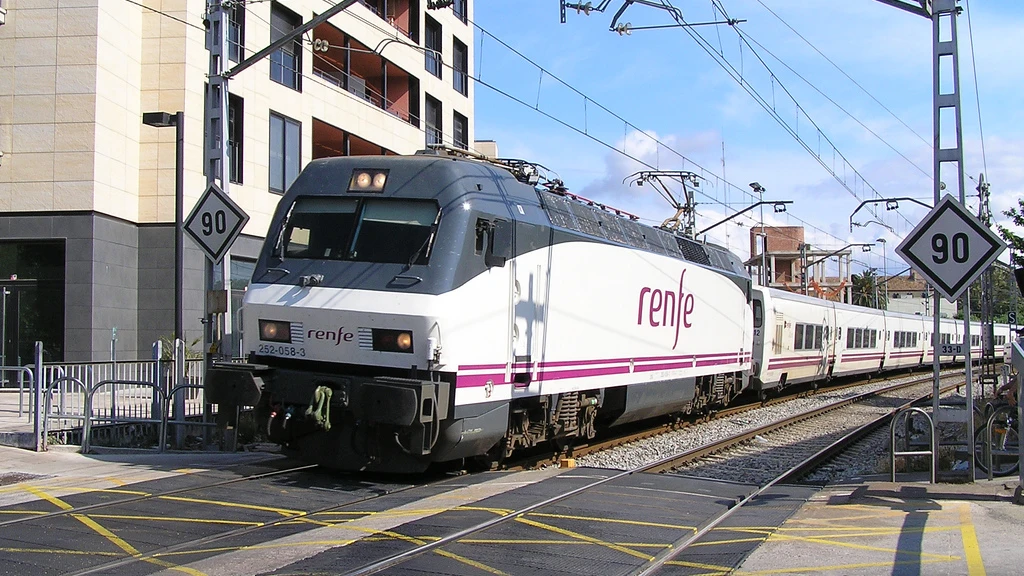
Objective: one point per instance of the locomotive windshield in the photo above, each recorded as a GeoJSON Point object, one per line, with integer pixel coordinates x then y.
{"type": "Point", "coordinates": [384, 230]}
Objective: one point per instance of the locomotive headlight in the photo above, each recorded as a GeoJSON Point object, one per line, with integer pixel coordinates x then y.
{"type": "Point", "coordinates": [275, 331]}
{"type": "Point", "coordinates": [404, 341]}
{"type": "Point", "coordinates": [368, 181]}
{"type": "Point", "coordinates": [392, 340]}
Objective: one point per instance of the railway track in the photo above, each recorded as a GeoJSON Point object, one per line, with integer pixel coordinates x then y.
{"type": "Point", "coordinates": [811, 455]}
{"type": "Point", "coordinates": [617, 439]}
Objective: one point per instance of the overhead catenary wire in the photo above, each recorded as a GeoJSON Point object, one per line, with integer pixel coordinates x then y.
{"type": "Point", "coordinates": [477, 79]}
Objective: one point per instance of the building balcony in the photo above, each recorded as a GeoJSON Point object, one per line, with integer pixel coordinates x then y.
{"type": "Point", "coordinates": [359, 71]}
{"type": "Point", "coordinates": [402, 15]}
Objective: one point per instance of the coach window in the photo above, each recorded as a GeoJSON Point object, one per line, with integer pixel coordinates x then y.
{"type": "Point", "coordinates": [817, 337]}
{"type": "Point", "coordinates": [874, 338]}
{"type": "Point", "coordinates": [758, 314]}
{"type": "Point", "coordinates": [798, 340]}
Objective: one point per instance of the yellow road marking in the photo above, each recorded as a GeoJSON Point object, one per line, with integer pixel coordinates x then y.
{"type": "Point", "coordinates": [584, 538]}
{"type": "Point", "coordinates": [942, 557]}
{"type": "Point", "coordinates": [110, 536]}
{"type": "Point", "coordinates": [716, 570]}
{"type": "Point", "coordinates": [813, 569]}
{"type": "Point", "coordinates": [445, 553]}
{"type": "Point", "coordinates": [173, 519]}
{"type": "Point", "coordinates": [74, 489]}
{"type": "Point", "coordinates": [281, 511]}
{"type": "Point", "coordinates": [975, 567]}
{"type": "Point", "coordinates": [615, 521]}
{"type": "Point", "coordinates": [56, 551]}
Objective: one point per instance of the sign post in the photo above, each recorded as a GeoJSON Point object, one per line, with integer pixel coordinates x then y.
{"type": "Point", "coordinates": [950, 248]}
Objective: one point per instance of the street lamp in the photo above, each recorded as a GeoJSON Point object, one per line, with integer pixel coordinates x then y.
{"type": "Point", "coordinates": [780, 206]}
{"type": "Point", "coordinates": [884, 277]}
{"type": "Point", "coordinates": [759, 190]}
{"type": "Point", "coordinates": [163, 120]}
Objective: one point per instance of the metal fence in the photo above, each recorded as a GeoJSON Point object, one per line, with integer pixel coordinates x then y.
{"type": "Point", "coordinates": [75, 399]}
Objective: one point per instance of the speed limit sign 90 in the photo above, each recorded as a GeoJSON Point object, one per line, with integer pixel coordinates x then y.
{"type": "Point", "coordinates": [950, 248]}
{"type": "Point", "coordinates": [215, 222]}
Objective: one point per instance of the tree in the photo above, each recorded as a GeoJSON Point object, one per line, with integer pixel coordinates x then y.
{"type": "Point", "coordinates": [1014, 240]}
{"type": "Point", "coordinates": [865, 288]}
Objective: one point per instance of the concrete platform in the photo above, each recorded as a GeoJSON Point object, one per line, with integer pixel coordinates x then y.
{"type": "Point", "coordinates": [876, 527]}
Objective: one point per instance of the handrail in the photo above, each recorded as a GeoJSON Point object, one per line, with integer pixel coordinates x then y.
{"type": "Point", "coordinates": [47, 404]}
{"type": "Point", "coordinates": [21, 370]}
{"type": "Point", "coordinates": [892, 442]}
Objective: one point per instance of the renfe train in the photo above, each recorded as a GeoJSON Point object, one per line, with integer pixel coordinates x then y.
{"type": "Point", "coordinates": [407, 310]}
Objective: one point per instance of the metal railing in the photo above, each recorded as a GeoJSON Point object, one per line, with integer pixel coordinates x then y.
{"type": "Point", "coordinates": [82, 396]}
{"type": "Point", "coordinates": [892, 441]}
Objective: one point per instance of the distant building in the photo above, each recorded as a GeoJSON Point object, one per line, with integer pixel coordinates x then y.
{"type": "Point", "coordinates": [87, 191]}
{"type": "Point", "coordinates": [911, 295]}
{"type": "Point", "coordinates": [781, 259]}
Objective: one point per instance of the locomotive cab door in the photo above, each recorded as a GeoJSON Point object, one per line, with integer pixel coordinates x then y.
{"type": "Point", "coordinates": [527, 295]}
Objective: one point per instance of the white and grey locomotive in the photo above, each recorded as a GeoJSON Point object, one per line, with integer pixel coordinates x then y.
{"type": "Point", "coordinates": [415, 309]}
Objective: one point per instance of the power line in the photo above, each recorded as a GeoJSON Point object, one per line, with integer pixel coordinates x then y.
{"type": "Point", "coordinates": [848, 77]}
{"type": "Point", "coordinates": [974, 67]}
{"type": "Point", "coordinates": [166, 15]}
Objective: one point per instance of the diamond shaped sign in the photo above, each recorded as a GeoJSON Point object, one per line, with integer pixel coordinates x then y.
{"type": "Point", "coordinates": [215, 222]}
{"type": "Point", "coordinates": [950, 248]}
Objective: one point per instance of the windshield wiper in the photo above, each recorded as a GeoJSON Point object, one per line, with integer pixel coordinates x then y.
{"type": "Point", "coordinates": [415, 255]}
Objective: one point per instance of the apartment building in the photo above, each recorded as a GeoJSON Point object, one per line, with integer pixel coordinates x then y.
{"type": "Point", "coordinates": [87, 191]}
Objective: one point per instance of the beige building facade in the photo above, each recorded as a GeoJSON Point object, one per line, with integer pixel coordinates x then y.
{"type": "Point", "coordinates": [87, 191]}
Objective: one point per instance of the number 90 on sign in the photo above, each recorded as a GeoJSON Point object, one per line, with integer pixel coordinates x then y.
{"type": "Point", "coordinates": [214, 222]}
{"type": "Point", "coordinates": [945, 247]}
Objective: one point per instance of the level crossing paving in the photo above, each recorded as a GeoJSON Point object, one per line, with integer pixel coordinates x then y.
{"type": "Point", "coordinates": [613, 529]}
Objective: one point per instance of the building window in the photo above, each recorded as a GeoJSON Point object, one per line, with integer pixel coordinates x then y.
{"type": "Point", "coordinates": [459, 8]}
{"type": "Point", "coordinates": [236, 32]}
{"type": "Point", "coordinates": [460, 66]}
{"type": "Point", "coordinates": [460, 131]}
{"type": "Point", "coordinates": [285, 136]}
{"type": "Point", "coordinates": [432, 43]}
{"type": "Point", "coordinates": [236, 115]}
{"type": "Point", "coordinates": [433, 121]}
{"type": "Point", "coordinates": [286, 62]}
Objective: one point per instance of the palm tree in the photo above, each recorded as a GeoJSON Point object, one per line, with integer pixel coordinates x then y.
{"type": "Point", "coordinates": [865, 288]}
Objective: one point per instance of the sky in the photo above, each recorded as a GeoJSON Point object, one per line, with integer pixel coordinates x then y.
{"type": "Point", "coordinates": [841, 109]}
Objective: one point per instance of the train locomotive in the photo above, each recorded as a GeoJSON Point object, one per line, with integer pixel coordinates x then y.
{"type": "Point", "coordinates": [407, 310]}
{"type": "Point", "coordinates": [435, 308]}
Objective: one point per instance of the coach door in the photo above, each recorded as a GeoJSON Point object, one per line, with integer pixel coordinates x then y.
{"type": "Point", "coordinates": [757, 349]}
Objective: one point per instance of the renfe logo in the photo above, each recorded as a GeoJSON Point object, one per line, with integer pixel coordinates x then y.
{"type": "Point", "coordinates": [336, 337]}
{"type": "Point", "coordinates": [666, 308]}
